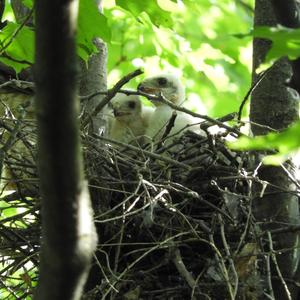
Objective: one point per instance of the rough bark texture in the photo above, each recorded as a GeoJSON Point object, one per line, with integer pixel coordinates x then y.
{"type": "Point", "coordinates": [275, 105]}
{"type": "Point", "coordinates": [94, 79]}
{"type": "Point", "coordinates": [69, 237]}
{"type": "Point", "coordinates": [288, 15]}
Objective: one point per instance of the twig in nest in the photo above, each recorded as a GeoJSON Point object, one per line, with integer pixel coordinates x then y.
{"type": "Point", "coordinates": [20, 85]}
{"type": "Point", "coordinates": [228, 117]}
{"type": "Point", "coordinates": [229, 256]}
{"type": "Point", "coordinates": [274, 259]}
{"type": "Point", "coordinates": [169, 126]}
{"type": "Point", "coordinates": [221, 262]}
{"type": "Point", "coordinates": [160, 245]}
{"type": "Point", "coordinates": [181, 268]}
{"type": "Point", "coordinates": [147, 153]}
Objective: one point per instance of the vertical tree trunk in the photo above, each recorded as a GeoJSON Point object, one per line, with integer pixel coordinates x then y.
{"type": "Point", "coordinates": [94, 79]}
{"type": "Point", "coordinates": [69, 237]}
{"type": "Point", "coordinates": [275, 105]}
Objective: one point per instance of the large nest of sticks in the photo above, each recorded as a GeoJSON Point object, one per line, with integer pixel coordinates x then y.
{"type": "Point", "coordinates": [173, 222]}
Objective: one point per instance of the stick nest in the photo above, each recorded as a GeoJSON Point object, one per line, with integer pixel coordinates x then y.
{"type": "Point", "coordinates": [174, 222]}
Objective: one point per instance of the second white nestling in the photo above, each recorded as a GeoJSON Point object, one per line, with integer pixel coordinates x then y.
{"type": "Point", "coordinates": [130, 119]}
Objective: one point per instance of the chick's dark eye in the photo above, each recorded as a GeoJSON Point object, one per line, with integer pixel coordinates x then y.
{"type": "Point", "coordinates": [131, 104]}
{"type": "Point", "coordinates": [162, 81]}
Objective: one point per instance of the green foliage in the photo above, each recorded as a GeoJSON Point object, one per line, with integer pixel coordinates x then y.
{"type": "Point", "coordinates": [28, 3]}
{"type": "Point", "coordinates": [18, 46]}
{"type": "Point", "coordinates": [200, 46]}
{"type": "Point", "coordinates": [194, 39]}
{"type": "Point", "coordinates": [91, 24]}
{"type": "Point", "coordinates": [285, 41]}
{"type": "Point", "coordinates": [284, 142]}
{"type": "Point", "coordinates": [158, 16]}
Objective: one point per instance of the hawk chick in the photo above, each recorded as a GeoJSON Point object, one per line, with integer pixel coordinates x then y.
{"type": "Point", "coordinates": [130, 119]}
{"type": "Point", "coordinates": [169, 86]}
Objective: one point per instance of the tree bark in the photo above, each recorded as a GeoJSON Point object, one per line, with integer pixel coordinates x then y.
{"type": "Point", "coordinates": [274, 104]}
{"type": "Point", "coordinates": [69, 238]}
{"type": "Point", "coordinates": [288, 15]}
{"type": "Point", "coordinates": [94, 79]}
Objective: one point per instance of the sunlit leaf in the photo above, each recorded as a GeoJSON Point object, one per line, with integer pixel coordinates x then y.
{"type": "Point", "coordinates": [157, 15]}
{"type": "Point", "coordinates": [28, 3]}
{"type": "Point", "coordinates": [286, 41]}
{"type": "Point", "coordinates": [285, 142]}
{"type": "Point", "coordinates": [18, 45]}
{"type": "Point", "coordinates": [91, 24]}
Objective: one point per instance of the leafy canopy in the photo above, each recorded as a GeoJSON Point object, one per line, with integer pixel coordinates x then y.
{"type": "Point", "coordinates": [195, 39]}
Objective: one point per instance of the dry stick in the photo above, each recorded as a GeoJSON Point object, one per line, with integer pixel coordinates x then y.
{"type": "Point", "coordinates": [122, 229]}
{"type": "Point", "coordinates": [290, 176]}
{"type": "Point", "coordinates": [158, 246]}
{"type": "Point", "coordinates": [103, 272]}
{"type": "Point", "coordinates": [245, 231]}
{"type": "Point", "coordinates": [182, 270]}
{"type": "Point", "coordinates": [194, 195]}
{"type": "Point", "coordinates": [269, 279]}
{"type": "Point", "coordinates": [220, 261]}
{"type": "Point", "coordinates": [110, 94]}
{"type": "Point", "coordinates": [273, 256]}
{"type": "Point", "coordinates": [252, 88]}
{"type": "Point", "coordinates": [17, 83]}
{"type": "Point", "coordinates": [287, 229]}
{"type": "Point", "coordinates": [229, 256]}
{"type": "Point", "coordinates": [147, 153]}
{"type": "Point", "coordinates": [169, 126]}
{"type": "Point", "coordinates": [123, 215]}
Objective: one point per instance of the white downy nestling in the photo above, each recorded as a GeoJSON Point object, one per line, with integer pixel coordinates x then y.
{"type": "Point", "coordinates": [130, 118]}
{"type": "Point", "coordinates": [171, 88]}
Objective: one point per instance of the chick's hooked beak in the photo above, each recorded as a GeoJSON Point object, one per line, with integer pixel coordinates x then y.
{"type": "Point", "coordinates": [120, 113]}
{"type": "Point", "coordinates": [142, 88]}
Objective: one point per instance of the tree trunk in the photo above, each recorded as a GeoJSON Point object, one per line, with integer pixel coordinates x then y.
{"type": "Point", "coordinates": [275, 105]}
{"type": "Point", "coordinates": [94, 79]}
{"type": "Point", "coordinates": [69, 238]}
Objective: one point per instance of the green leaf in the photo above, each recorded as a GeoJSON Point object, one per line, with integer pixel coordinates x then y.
{"type": "Point", "coordinates": [286, 41]}
{"type": "Point", "coordinates": [285, 142]}
{"type": "Point", "coordinates": [28, 3]}
{"type": "Point", "coordinates": [91, 24]}
{"type": "Point", "coordinates": [19, 47]}
{"type": "Point", "coordinates": [157, 15]}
